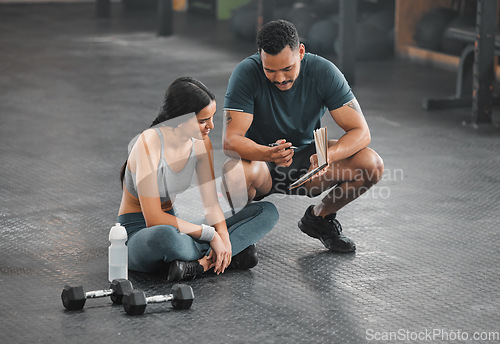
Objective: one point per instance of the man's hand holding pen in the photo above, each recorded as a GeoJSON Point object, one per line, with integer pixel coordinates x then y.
{"type": "Point", "coordinates": [281, 152]}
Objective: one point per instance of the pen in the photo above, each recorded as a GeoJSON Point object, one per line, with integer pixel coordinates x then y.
{"type": "Point", "coordinates": [277, 144]}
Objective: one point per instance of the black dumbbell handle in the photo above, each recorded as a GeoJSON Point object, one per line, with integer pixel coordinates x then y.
{"type": "Point", "coordinates": [159, 298]}
{"type": "Point", "coordinates": [99, 293]}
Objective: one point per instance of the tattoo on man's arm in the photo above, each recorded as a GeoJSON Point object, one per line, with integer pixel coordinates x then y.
{"type": "Point", "coordinates": [353, 105]}
{"type": "Point", "coordinates": [228, 118]}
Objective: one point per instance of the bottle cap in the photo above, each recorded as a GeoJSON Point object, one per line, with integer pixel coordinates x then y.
{"type": "Point", "coordinates": [118, 232]}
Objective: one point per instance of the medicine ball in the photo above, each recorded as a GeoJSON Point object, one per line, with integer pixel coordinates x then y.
{"type": "Point", "coordinates": [372, 43]}
{"type": "Point", "coordinates": [325, 8]}
{"type": "Point", "coordinates": [383, 20]}
{"type": "Point", "coordinates": [321, 36]}
{"type": "Point", "coordinates": [302, 17]}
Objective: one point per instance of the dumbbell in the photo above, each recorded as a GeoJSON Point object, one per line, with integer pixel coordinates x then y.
{"type": "Point", "coordinates": [135, 301]}
{"type": "Point", "coordinates": [73, 298]}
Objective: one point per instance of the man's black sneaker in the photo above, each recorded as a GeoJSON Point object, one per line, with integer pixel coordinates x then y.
{"type": "Point", "coordinates": [246, 259]}
{"type": "Point", "coordinates": [181, 270]}
{"type": "Point", "coordinates": [329, 231]}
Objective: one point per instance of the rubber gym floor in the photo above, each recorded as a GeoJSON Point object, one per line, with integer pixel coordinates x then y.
{"type": "Point", "coordinates": [75, 89]}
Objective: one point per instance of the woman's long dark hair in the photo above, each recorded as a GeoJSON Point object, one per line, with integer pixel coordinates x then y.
{"type": "Point", "coordinates": [185, 95]}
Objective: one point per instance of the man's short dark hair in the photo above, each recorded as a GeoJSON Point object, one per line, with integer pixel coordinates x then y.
{"type": "Point", "coordinates": [274, 36]}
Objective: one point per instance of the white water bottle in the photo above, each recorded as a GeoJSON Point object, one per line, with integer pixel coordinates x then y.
{"type": "Point", "coordinates": [117, 253]}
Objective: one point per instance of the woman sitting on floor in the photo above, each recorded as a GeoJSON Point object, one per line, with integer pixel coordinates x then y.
{"type": "Point", "coordinates": [161, 165]}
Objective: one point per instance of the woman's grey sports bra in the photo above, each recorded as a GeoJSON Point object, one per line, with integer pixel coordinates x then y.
{"type": "Point", "coordinates": [170, 183]}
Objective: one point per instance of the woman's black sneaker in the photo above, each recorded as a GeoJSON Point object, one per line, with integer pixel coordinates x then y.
{"type": "Point", "coordinates": [328, 230]}
{"type": "Point", "coordinates": [181, 270]}
{"type": "Point", "coordinates": [246, 259]}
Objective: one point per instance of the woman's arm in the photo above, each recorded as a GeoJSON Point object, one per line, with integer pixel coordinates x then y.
{"type": "Point", "coordinates": [213, 212]}
{"type": "Point", "coordinates": [206, 183]}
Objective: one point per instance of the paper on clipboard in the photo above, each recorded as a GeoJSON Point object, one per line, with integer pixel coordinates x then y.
{"type": "Point", "coordinates": [321, 143]}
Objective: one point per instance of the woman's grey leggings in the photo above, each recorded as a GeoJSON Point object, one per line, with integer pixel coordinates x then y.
{"type": "Point", "coordinates": [150, 248]}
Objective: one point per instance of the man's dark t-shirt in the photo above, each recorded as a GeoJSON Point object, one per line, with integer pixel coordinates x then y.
{"type": "Point", "coordinates": [292, 114]}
